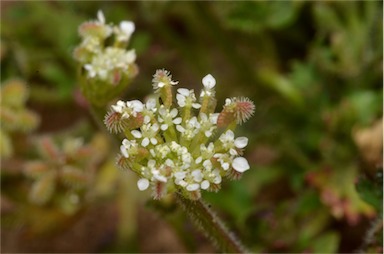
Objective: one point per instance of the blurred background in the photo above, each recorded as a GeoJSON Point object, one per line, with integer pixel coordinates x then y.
{"type": "Point", "coordinates": [314, 70]}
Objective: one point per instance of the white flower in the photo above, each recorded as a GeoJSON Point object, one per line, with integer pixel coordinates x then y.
{"type": "Point", "coordinates": [224, 159]}
{"type": "Point", "coordinates": [191, 129]}
{"type": "Point", "coordinates": [187, 98]}
{"type": "Point", "coordinates": [209, 82]}
{"type": "Point", "coordinates": [207, 125]}
{"type": "Point", "coordinates": [128, 147]}
{"type": "Point", "coordinates": [153, 170]}
{"type": "Point", "coordinates": [125, 30]}
{"type": "Point", "coordinates": [148, 133]}
{"type": "Point", "coordinates": [143, 184]}
{"type": "Point", "coordinates": [168, 117]}
{"type": "Point", "coordinates": [104, 64]}
{"type": "Point", "coordinates": [230, 143]}
{"type": "Point", "coordinates": [129, 108]}
{"type": "Point", "coordinates": [240, 164]}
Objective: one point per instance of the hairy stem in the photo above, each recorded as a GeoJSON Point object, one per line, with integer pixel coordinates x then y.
{"type": "Point", "coordinates": [211, 225]}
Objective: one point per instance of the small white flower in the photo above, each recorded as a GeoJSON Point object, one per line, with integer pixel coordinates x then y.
{"type": "Point", "coordinates": [187, 98]}
{"type": "Point", "coordinates": [119, 106]}
{"type": "Point", "coordinates": [143, 184]}
{"type": "Point", "coordinates": [224, 159]}
{"type": "Point", "coordinates": [167, 118]}
{"type": "Point", "coordinates": [105, 63]}
{"type": "Point", "coordinates": [209, 82]}
{"type": "Point", "coordinates": [149, 133]}
{"type": "Point", "coordinates": [207, 127]}
{"type": "Point", "coordinates": [240, 164]}
{"type": "Point", "coordinates": [128, 147]}
{"type": "Point", "coordinates": [125, 30]}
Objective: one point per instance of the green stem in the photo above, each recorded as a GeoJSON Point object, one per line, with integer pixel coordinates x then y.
{"type": "Point", "coordinates": [210, 224]}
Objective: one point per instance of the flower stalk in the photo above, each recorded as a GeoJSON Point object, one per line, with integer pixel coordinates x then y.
{"type": "Point", "coordinates": [210, 224]}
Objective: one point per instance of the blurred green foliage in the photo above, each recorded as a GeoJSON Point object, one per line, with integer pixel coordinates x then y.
{"type": "Point", "coordinates": [314, 71]}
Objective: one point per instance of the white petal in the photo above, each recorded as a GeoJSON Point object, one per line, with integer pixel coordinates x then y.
{"type": "Point", "coordinates": [154, 141]}
{"type": "Point", "coordinates": [126, 143]}
{"type": "Point", "coordinates": [214, 117]}
{"type": "Point", "coordinates": [155, 127]}
{"type": "Point", "coordinates": [123, 151]}
{"type": "Point", "coordinates": [193, 187]}
{"type": "Point", "coordinates": [241, 142]}
{"type": "Point", "coordinates": [162, 111]}
{"type": "Point", "coordinates": [225, 165]}
{"type": "Point", "coordinates": [145, 142]}
{"type": "Point", "coordinates": [217, 179]}
{"type": "Point", "coordinates": [180, 175]}
{"type": "Point", "coordinates": [183, 183]}
{"type": "Point", "coordinates": [164, 127]}
{"type": "Point", "coordinates": [229, 134]}
{"type": "Point", "coordinates": [161, 84]}
{"type": "Point", "coordinates": [208, 134]}
{"type": "Point", "coordinates": [196, 105]}
{"type": "Point", "coordinates": [209, 81]}
{"type": "Point", "coordinates": [232, 151]}
{"type": "Point", "coordinates": [173, 113]}
{"type": "Point", "coordinates": [180, 97]}
{"type": "Point", "coordinates": [207, 164]}
{"type": "Point", "coordinates": [160, 178]}
{"type": "Point", "coordinates": [137, 105]}
{"type": "Point", "coordinates": [183, 91]}
{"type": "Point", "coordinates": [117, 108]}
{"type": "Point", "coordinates": [181, 103]}
{"type": "Point", "coordinates": [143, 184]}
{"type": "Point", "coordinates": [204, 184]}
{"type": "Point", "coordinates": [128, 27]}
{"type": "Point", "coordinates": [198, 160]}
{"type": "Point", "coordinates": [177, 120]}
{"type": "Point", "coordinates": [180, 128]}
{"type": "Point", "coordinates": [136, 134]}
{"type": "Point", "coordinates": [100, 16]}
{"type": "Point", "coordinates": [151, 103]}
{"type": "Point", "coordinates": [147, 119]}
{"type": "Point", "coordinates": [196, 173]}
{"type": "Point", "coordinates": [240, 164]}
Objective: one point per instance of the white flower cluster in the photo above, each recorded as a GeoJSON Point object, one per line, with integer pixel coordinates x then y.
{"type": "Point", "coordinates": [102, 62]}
{"type": "Point", "coordinates": [175, 149]}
